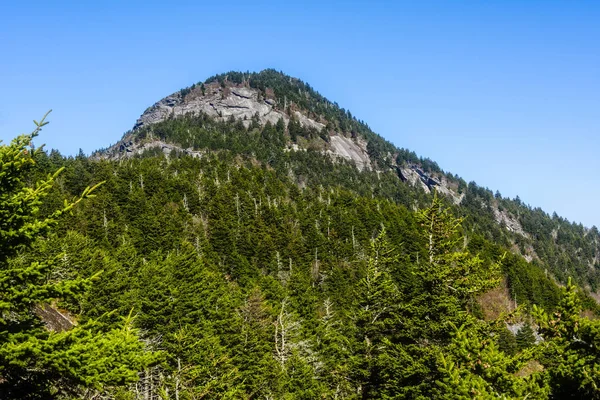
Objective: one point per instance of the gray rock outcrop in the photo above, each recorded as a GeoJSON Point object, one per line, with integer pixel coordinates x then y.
{"type": "Point", "coordinates": [351, 150]}
{"type": "Point", "coordinates": [218, 102]}
{"type": "Point", "coordinates": [223, 103]}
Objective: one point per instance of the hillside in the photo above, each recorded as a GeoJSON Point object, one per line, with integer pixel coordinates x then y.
{"type": "Point", "coordinates": [271, 246]}
{"type": "Point", "coordinates": [249, 101]}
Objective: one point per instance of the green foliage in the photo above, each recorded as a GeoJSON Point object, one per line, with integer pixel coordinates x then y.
{"type": "Point", "coordinates": [565, 249]}
{"type": "Point", "coordinates": [376, 316]}
{"type": "Point", "coordinates": [265, 272]}
{"type": "Point", "coordinates": [563, 364]}
{"type": "Point", "coordinates": [507, 341]}
{"type": "Point", "coordinates": [473, 367]}
{"type": "Point", "coordinates": [448, 279]}
{"type": "Point", "coordinates": [525, 337]}
{"type": "Point", "coordinates": [570, 348]}
{"type": "Point", "coordinates": [438, 297]}
{"type": "Point", "coordinates": [36, 362]}
{"type": "Point", "coordinates": [219, 253]}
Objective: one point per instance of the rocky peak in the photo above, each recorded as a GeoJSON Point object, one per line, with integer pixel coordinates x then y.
{"type": "Point", "coordinates": [238, 101]}
{"type": "Point", "coordinates": [219, 102]}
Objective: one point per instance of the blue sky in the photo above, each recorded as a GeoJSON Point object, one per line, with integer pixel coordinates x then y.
{"type": "Point", "coordinates": [504, 93]}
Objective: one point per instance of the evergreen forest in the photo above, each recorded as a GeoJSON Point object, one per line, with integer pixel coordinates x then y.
{"type": "Point", "coordinates": [245, 262]}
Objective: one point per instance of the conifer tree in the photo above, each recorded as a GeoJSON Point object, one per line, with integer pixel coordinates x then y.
{"type": "Point", "coordinates": [36, 362]}
{"type": "Point", "coordinates": [448, 279]}
{"type": "Point", "coordinates": [570, 351]}
{"type": "Point", "coordinates": [472, 367]}
{"type": "Point", "coordinates": [378, 301]}
{"type": "Point", "coordinates": [525, 337]}
{"type": "Point", "coordinates": [438, 298]}
{"type": "Point", "coordinates": [507, 341]}
{"type": "Point", "coordinates": [335, 350]}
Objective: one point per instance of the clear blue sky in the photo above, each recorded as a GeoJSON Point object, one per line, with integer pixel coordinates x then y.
{"type": "Point", "coordinates": [505, 93]}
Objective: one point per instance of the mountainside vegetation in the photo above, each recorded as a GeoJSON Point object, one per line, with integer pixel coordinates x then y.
{"type": "Point", "coordinates": [231, 258]}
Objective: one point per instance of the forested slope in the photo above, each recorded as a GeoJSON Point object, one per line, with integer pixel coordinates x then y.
{"type": "Point", "coordinates": [260, 263]}
{"type": "Point", "coordinates": [212, 117]}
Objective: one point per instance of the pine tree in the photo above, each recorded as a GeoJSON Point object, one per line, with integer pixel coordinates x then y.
{"type": "Point", "coordinates": [447, 280]}
{"type": "Point", "coordinates": [439, 294]}
{"type": "Point", "coordinates": [376, 316]}
{"type": "Point", "coordinates": [570, 351]}
{"type": "Point", "coordinates": [525, 337]}
{"type": "Point", "coordinates": [36, 362]}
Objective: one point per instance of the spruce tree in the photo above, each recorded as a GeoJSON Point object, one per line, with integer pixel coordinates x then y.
{"type": "Point", "coordinates": [507, 341]}
{"type": "Point", "coordinates": [442, 287]}
{"type": "Point", "coordinates": [525, 337]}
{"type": "Point", "coordinates": [38, 359]}
{"type": "Point", "coordinates": [376, 315]}
{"type": "Point", "coordinates": [570, 351]}
{"type": "Point", "coordinates": [448, 279]}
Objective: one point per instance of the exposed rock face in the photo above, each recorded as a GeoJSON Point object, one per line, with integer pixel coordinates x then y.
{"type": "Point", "coordinates": [246, 103]}
{"type": "Point", "coordinates": [350, 150]}
{"type": "Point", "coordinates": [220, 103]}
{"type": "Point", "coordinates": [416, 176]}
{"type": "Point", "coordinates": [411, 176]}
{"type": "Point", "coordinates": [449, 190]}
{"type": "Point", "coordinates": [509, 221]}
{"type": "Point", "coordinates": [307, 122]}
{"type": "Point", "coordinates": [54, 319]}
{"type": "Point", "coordinates": [131, 148]}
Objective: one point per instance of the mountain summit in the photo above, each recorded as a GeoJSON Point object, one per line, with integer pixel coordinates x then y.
{"type": "Point", "coordinates": [237, 106]}
{"type": "Point", "coordinates": [271, 97]}
{"type": "Point", "coordinates": [261, 98]}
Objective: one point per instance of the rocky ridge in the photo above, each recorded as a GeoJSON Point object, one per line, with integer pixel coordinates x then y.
{"type": "Point", "coordinates": [237, 102]}
{"type": "Point", "coordinates": [243, 103]}
{"type": "Point", "coordinates": [220, 103]}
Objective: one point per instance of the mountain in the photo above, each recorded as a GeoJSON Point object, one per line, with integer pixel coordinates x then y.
{"type": "Point", "coordinates": [266, 243]}
{"type": "Point", "coordinates": [253, 100]}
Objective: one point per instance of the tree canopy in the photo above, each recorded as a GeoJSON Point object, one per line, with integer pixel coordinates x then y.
{"type": "Point", "coordinates": [39, 359]}
{"type": "Point", "coordinates": [249, 270]}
